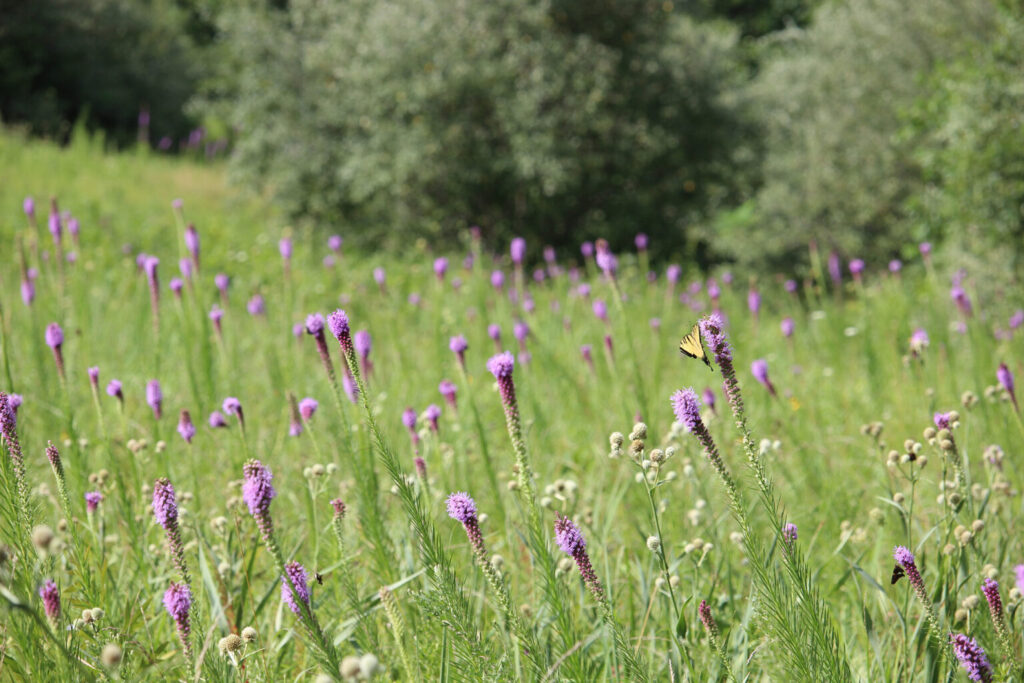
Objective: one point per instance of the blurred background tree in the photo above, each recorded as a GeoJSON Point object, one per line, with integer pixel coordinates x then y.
{"type": "Point", "coordinates": [728, 130]}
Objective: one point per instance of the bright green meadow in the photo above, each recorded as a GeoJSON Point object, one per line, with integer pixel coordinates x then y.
{"type": "Point", "coordinates": [842, 451]}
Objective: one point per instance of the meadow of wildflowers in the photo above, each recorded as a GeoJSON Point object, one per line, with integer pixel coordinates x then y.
{"type": "Point", "coordinates": [237, 451]}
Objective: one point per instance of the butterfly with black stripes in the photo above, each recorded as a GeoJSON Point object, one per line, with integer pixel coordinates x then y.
{"type": "Point", "coordinates": [693, 346]}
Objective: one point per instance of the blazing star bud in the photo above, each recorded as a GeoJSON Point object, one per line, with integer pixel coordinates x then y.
{"type": "Point", "coordinates": [448, 390]}
{"type": "Point", "coordinates": [217, 420]}
{"type": "Point", "coordinates": [51, 601]}
{"type": "Point", "coordinates": [154, 397]}
{"type": "Point", "coordinates": [298, 576]}
{"type": "Point", "coordinates": [114, 389]}
{"type": "Point", "coordinates": [92, 501]}
{"type": "Point", "coordinates": [517, 250]}
{"type": "Point", "coordinates": [186, 429]}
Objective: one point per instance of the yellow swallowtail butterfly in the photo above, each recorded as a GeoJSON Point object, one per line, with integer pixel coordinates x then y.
{"type": "Point", "coordinates": [693, 346]}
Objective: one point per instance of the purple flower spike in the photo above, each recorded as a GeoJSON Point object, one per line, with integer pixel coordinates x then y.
{"type": "Point", "coordinates": [114, 389]}
{"type": "Point", "coordinates": [440, 267]}
{"type": "Point", "coordinates": [714, 292]}
{"type": "Point", "coordinates": [787, 325]}
{"type": "Point", "coordinates": [192, 243]}
{"type": "Point", "coordinates": [232, 406]}
{"type": "Point", "coordinates": [600, 310]}
{"type": "Point", "coordinates": [298, 578]}
{"type": "Point", "coordinates": [222, 283]}
{"type": "Point", "coordinates": [29, 207]}
{"type": "Point", "coordinates": [307, 407]}
{"type": "Point", "coordinates": [54, 336]}
{"type": "Point", "coordinates": [856, 267]}
{"type": "Point", "coordinates": [941, 420]}
{"type": "Point", "coordinates": [379, 276]}
{"type": "Point", "coordinates": [570, 539]}
{"type": "Point", "coordinates": [708, 397]}
{"type": "Point", "coordinates": [895, 266]}
{"type": "Point", "coordinates": [409, 419]}
{"type": "Point", "coordinates": [549, 255]}
{"type": "Point", "coordinates": [759, 368]}
{"type": "Point", "coordinates": [257, 492]}
{"type": "Point", "coordinates": [640, 241]}
{"type": "Point", "coordinates": [458, 346]}
{"type": "Point", "coordinates": [432, 414]}
{"type": "Point", "coordinates": [284, 245]}
{"type": "Point", "coordinates": [217, 420]}
{"type": "Point", "coordinates": [1005, 377]}
{"type": "Point", "coordinates": [155, 397]}
{"type": "Point", "coordinates": [790, 286]}
{"type": "Point", "coordinates": [686, 407]}
{"type": "Point", "coordinates": [51, 600]}
{"type": "Point", "coordinates": [54, 224]}
{"type": "Point", "coordinates": [216, 315]}
{"type": "Point", "coordinates": [92, 501]}
{"type": "Point", "coordinates": [605, 259]}
{"type": "Point", "coordinates": [673, 274]}
{"type": "Point", "coordinates": [517, 250]}
{"type": "Point", "coordinates": [28, 292]}
{"type": "Point", "coordinates": [185, 268]}
{"type": "Point", "coordinates": [521, 331]}
{"type": "Point", "coordinates": [186, 429]}
{"type": "Point", "coordinates": [94, 377]}
{"type": "Point", "coordinates": [972, 657]}
{"type": "Point", "coordinates": [835, 268]}
{"type": "Point", "coordinates": [257, 305]}
{"type": "Point", "coordinates": [334, 243]}
{"type": "Point", "coordinates": [962, 301]}
{"type": "Point", "coordinates": [990, 589]}
{"type": "Point", "coordinates": [462, 509]}
{"type": "Point", "coordinates": [494, 332]}
{"type": "Point", "coordinates": [587, 249]}
{"type": "Point", "coordinates": [298, 329]}
{"type": "Point", "coordinates": [176, 285]}
{"type": "Point", "coordinates": [178, 602]}
{"type": "Point", "coordinates": [789, 536]}
{"type": "Point", "coordinates": [448, 390]}
{"type": "Point", "coordinates": [315, 324]}
{"type": "Point", "coordinates": [926, 249]}
{"type": "Point", "coordinates": [501, 365]}
{"type": "Point", "coordinates": [754, 301]}
{"type": "Point", "coordinates": [165, 505]}
{"type": "Point", "coordinates": [338, 322]}
{"type": "Point", "coordinates": [497, 279]}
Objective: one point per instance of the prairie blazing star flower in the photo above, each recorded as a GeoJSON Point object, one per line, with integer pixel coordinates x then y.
{"type": "Point", "coordinates": [835, 268]}
{"type": "Point", "coordinates": [673, 274]}
{"type": "Point", "coordinates": [790, 286]}
{"type": "Point", "coordinates": [587, 351]}
{"type": "Point", "coordinates": [295, 586]}
{"type": "Point", "coordinates": [686, 408]}
{"type": "Point", "coordinates": [55, 340]}
{"type": "Point", "coordinates": [856, 267]}
{"type": "Point", "coordinates": [421, 467]}
{"type": "Point", "coordinates": [432, 414]}
{"type": "Point", "coordinates": [363, 344]}
{"type": "Point", "coordinates": [257, 492]}
{"type": "Point", "coordinates": [549, 255]}
{"type": "Point", "coordinates": [640, 241]}
{"type": "Point", "coordinates": [186, 429]}
{"type": "Point", "coordinates": [497, 279]}
{"type": "Point", "coordinates": [54, 224]}
{"type": "Point", "coordinates": [29, 207]}
{"type": "Point", "coordinates": [232, 406]}
{"type": "Point", "coordinates": [990, 589]}
{"type": "Point", "coordinates": [176, 285]}
{"type": "Point", "coordinates": [216, 315]}
{"type": "Point", "coordinates": [165, 511]}
{"type": "Point", "coordinates": [918, 342]}
{"type": "Point", "coordinates": [222, 282]}
{"type": "Point", "coordinates": [9, 431]}
{"type": "Point", "coordinates": [972, 657]}
{"type": "Point", "coordinates": [600, 310]}
{"type": "Point", "coordinates": [338, 322]}
{"type": "Point", "coordinates": [570, 539]}
{"type": "Point", "coordinates": [92, 501]}
{"type": "Point", "coordinates": [787, 325]}
{"type": "Point", "coordinates": [380, 277]}
{"type": "Point", "coordinates": [962, 301]}
{"type": "Point", "coordinates": [284, 245]}
{"type": "Point", "coordinates": [448, 390]}
{"type": "Point", "coordinates": [185, 268]}
{"type": "Point", "coordinates": [1005, 377]}
{"type": "Point", "coordinates": [217, 420]}
{"type": "Point", "coordinates": [51, 601]}
{"type": "Point", "coordinates": [1017, 319]}
{"type": "Point", "coordinates": [941, 420]}
{"type": "Point", "coordinates": [298, 329]}
{"type": "Point", "coordinates": [94, 377]}
{"type": "Point", "coordinates": [789, 536]}
{"type": "Point", "coordinates": [315, 328]}
{"type": "Point", "coordinates": [605, 259]}
{"type": "Point", "coordinates": [307, 407]}
{"type": "Point", "coordinates": [462, 509]}
{"type": "Point", "coordinates": [895, 266]}
{"type": "Point", "coordinates": [178, 602]}
{"type": "Point", "coordinates": [114, 389]}
{"type": "Point", "coordinates": [517, 250]}
{"type": "Point", "coordinates": [154, 397]}
{"type": "Point", "coordinates": [256, 305]}
{"type": "Point", "coordinates": [714, 293]}
{"type": "Point", "coordinates": [754, 301]}
{"type": "Point", "coordinates": [708, 396]}
{"type": "Point", "coordinates": [458, 346]}
{"type": "Point", "coordinates": [905, 559]}
{"type": "Point", "coordinates": [192, 243]}
{"type": "Point", "coordinates": [926, 249]}
{"type": "Point", "coordinates": [521, 331]}
{"type": "Point", "coordinates": [759, 368]}
{"type": "Point", "coordinates": [494, 332]}
{"type": "Point", "coordinates": [28, 292]}
{"type": "Point", "coordinates": [587, 249]}
{"type": "Point", "coordinates": [440, 267]}
{"type": "Point", "coordinates": [334, 243]}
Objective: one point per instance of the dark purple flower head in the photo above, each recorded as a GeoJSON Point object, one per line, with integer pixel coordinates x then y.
{"type": "Point", "coordinates": [409, 419]}
{"type": "Point", "coordinates": [895, 266]}
{"type": "Point", "coordinates": [94, 376]}
{"type": "Point", "coordinates": [150, 266]}
{"type": "Point", "coordinates": [497, 279]}
{"type": "Point", "coordinates": [787, 325]}
{"type": "Point", "coordinates": [54, 335]}
{"type": "Point", "coordinates": [186, 429]}
{"type": "Point", "coordinates": [462, 508]}
{"type": "Point", "coordinates": [339, 508]}
{"type": "Point", "coordinates": [941, 420]}
{"type": "Point", "coordinates": [231, 405]}
{"type": "Point", "coordinates": [315, 324]}
{"type": "Point", "coordinates": [154, 396]}
{"type": "Point", "coordinates": [440, 267]}
{"type": "Point", "coordinates": [216, 314]}
{"type": "Point", "coordinates": [307, 407]}
{"type": "Point", "coordinates": [54, 223]}
{"type": "Point", "coordinates": [257, 491]}
{"type": "Point", "coordinates": [856, 267]}
{"type": "Point", "coordinates": [165, 506]}
{"type": "Point", "coordinates": [568, 536]}
{"type": "Point", "coordinates": [990, 589]}
{"type": "Point", "coordinates": [494, 332]}
{"type": "Point", "coordinates": [51, 600]}
{"type": "Point", "coordinates": [300, 579]}
{"type": "Point", "coordinates": [334, 242]}
{"type": "Point", "coordinates": [93, 500]}
{"type": "Point", "coordinates": [257, 305]}
{"type": "Point", "coordinates": [972, 657]}
{"type": "Point", "coordinates": [363, 342]}
{"type": "Point", "coordinates": [217, 420]}
{"type": "Point", "coordinates": [501, 365]}
{"type": "Point", "coordinates": [600, 309]}
{"type": "Point", "coordinates": [284, 245]}
{"type": "Point", "coordinates": [517, 250]}
{"type": "Point", "coordinates": [29, 207]}
{"type": "Point", "coordinates": [177, 602]}
{"type": "Point", "coordinates": [904, 558]}
{"type": "Point", "coordinates": [222, 282]}
{"type": "Point", "coordinates": [686, 406]}
{"type": "Point", "coordinates": [338, 322]}
{"type": "Point", "coordinates": [640, 241]}
{"type": "Point", "coordinates": [114, 389]}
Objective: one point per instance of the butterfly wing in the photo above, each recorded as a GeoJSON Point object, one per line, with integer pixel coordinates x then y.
{"type": "Point", "coordinates": [897, 574]}
{"type": "Point", "coordinates": [693, 346]}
